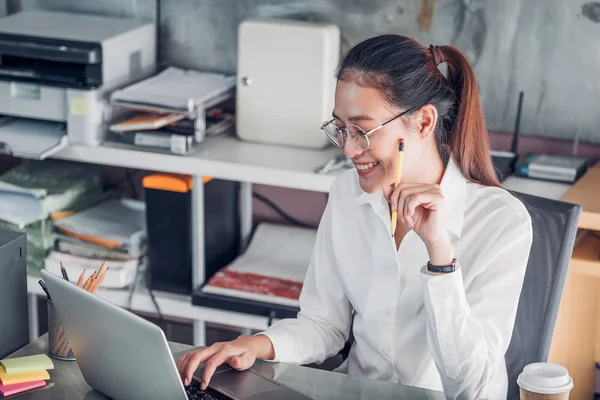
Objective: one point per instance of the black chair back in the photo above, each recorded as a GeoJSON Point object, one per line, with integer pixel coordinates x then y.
{"type": "Point", "coordinates": [554, 229]}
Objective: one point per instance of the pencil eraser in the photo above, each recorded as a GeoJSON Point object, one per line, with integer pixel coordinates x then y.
{"type": "Point", "coordinates": [401, 145]}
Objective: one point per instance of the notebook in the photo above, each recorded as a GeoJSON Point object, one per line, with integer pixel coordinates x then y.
{"type": "Point", "coordinates": [7, 390]}
{"type": "Point", "coordinates": [26, 364]}
{"type": "Point", "coordinates": [271, 270]}
{"type": "Point", "coordinates": [145, 122]}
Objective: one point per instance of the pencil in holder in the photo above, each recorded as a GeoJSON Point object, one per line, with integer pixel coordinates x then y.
{"type": "Point", "coordinates": [58, 343]}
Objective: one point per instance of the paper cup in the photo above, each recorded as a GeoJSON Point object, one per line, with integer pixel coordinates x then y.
{"type": "Point", "coordinates": [545, 381]}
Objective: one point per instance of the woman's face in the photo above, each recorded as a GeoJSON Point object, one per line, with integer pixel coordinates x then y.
{"type": "Point", "coordinates": [366, 108]}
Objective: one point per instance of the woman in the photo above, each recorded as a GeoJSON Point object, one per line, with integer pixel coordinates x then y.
{"type": "Point", "coordinates": [434, 305]}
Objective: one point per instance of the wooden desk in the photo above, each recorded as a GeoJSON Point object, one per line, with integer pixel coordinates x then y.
{"type": "Point", "coordinates": [576, 341]}
{"type": "Point", "coordinates": [586, 192]}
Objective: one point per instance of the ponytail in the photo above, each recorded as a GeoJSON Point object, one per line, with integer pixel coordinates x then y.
{"type": "Point", "coordinates": [469, 142]}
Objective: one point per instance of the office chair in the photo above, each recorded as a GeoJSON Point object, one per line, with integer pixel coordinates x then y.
{"type": "Point", "coordinates": [554, 227]}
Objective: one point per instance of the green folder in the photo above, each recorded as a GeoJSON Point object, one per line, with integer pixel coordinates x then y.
{"type": "Point", "coordinates": [26, 364]}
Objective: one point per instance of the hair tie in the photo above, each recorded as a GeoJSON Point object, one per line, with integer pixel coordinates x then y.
{"type": "Point", "coordinates": [438, 55]}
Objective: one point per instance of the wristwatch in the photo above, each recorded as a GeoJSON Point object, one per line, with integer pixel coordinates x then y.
{"type": "Point", "coordinates": [442, 268]}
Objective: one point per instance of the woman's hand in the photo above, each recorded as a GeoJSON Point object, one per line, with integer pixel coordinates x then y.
{"type": "Point", "coordinates": [240, 354]}
{"type": "Point", "coordinates": [420, 206]}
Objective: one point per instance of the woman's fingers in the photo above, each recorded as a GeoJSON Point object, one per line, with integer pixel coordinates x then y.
{"type": "Point", "coordinates": [193, 361]}
{"type": "Point", "coordinates": [428, 199]}
{"type": "Point", "coordinates": [392, 195]}
{"type": "Point", "coordinates": [225, 354]}
{"type": "Point", "coordinates": [408, 196]}
{"type": "Point", "coordinates": [410, 191]}
{"type": "Point", "coordinates": [404, 194]}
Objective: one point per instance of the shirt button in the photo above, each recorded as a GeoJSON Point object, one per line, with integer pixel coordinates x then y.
{"type": "Point", "coordinates": [394, 380]}
{"type": "Point", "coordinates": [386, 353]}
{"type": "Point", "coordinates": [388, 312]}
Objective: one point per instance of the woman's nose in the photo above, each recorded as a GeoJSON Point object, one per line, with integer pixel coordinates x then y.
{"type": "Point", "coordinates": [350, 149]}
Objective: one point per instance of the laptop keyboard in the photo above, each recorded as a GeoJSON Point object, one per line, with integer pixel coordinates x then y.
{"type": "Point", "coordinates": [195, 393]}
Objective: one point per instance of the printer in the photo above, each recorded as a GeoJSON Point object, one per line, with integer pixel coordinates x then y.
{"type": "Point", "coordinates": [57, 70]}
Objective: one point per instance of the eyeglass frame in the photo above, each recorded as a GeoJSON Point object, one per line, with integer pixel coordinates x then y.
{"type": "Point", "coordinates": [344, 131]}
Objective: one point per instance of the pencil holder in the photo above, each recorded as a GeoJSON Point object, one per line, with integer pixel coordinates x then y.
{"type": "Point", "coordinates": [58, 344]}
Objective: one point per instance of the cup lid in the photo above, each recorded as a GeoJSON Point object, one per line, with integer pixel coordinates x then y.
{"type": "Point", "coordinates": [545, 378]}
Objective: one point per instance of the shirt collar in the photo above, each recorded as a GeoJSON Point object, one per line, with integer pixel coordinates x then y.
{"type": "Point", "coordinates": [453, 188]}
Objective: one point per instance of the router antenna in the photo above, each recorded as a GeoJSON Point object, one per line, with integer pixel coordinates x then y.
{"type": "Point", "coordinates": [515, 141]}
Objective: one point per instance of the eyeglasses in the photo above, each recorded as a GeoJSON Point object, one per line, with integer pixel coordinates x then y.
{"type": "Point", "coordinates": [358, 136]}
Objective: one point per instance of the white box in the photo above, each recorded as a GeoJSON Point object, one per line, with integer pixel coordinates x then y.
{"type": "Point", "coordinates": [286, 81]}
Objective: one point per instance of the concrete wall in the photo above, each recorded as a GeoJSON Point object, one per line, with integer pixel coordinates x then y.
{"type": "Point", "coordinates": [548, 48]}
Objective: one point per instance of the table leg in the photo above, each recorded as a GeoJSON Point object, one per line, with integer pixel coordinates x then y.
{"type": "Point", "coordinates": [34, 328]}
{"type": "Point", "coordinates": [245, 214]}
{"type": "Point", "coordinates": [198, 241]}
{"type": "Point", "coordinates": [199, 333]}
{"type": "Point", "coordinates": [246, 331]}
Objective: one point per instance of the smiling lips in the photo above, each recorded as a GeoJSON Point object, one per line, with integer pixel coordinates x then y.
{"type": "Point", "coordinates": [365, 168]}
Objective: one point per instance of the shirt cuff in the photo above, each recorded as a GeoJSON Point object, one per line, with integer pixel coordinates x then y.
{"type": "Point", "coordinates": [282, 345]}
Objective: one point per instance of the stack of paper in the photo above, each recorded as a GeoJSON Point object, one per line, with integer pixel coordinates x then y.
{"type": "Point", "coordinates": [112, 231]}
{"type": "Point", "coordinates": [116, 224]}
{"type": "Point", "coordinates": [33, 190]}
{"type": "Point", "coordinates": [176, 110]}
{"type": "Point", "coordinates": [176, 89]}
{"type": "Point", "coordinates": [24, 373]}
{"type": "Point", "coordinates": [271, 270]}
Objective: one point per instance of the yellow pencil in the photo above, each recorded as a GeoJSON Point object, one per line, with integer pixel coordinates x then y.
{"type": "Point", "coordinates": [399, 160]}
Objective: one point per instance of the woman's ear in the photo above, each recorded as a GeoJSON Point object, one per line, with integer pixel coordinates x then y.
{"type": "Point", "coordinates": [426, 121]}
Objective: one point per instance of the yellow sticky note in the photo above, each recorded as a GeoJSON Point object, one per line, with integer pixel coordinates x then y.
{"type": "Point", "coordinates": [37, 362]}
{"type": "Point", "coordinates": [22, 377]}
{"type": "Point", "coordinates": [79, 106]}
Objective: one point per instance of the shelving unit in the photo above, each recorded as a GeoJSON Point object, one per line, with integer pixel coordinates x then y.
{"type": "Point", "coordinates": [221, 158]}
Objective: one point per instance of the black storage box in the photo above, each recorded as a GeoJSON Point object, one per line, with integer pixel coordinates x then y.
{"type": "Point", "coordinates": [169, 226]}
{"type": "Point", "coordinates": [14, 310]}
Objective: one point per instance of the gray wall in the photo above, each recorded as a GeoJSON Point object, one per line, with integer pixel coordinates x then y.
{"type": "Point", "coordinates": [548, 48]}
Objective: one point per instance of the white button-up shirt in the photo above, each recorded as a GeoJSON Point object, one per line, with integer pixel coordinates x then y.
{"type": "Point", "coordinates": [448, 332]}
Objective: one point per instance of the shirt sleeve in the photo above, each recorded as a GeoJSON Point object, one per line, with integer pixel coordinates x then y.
{"type": "Point", "coordinates": [323, 324]}
{"type": "Point", "coordinates": [469, 329]}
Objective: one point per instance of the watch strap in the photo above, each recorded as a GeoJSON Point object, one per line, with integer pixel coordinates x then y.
{"type": "Point", "coordinates": [442, 268]}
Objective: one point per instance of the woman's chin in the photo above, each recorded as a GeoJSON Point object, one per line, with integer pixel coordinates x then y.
{"type": "Point", "coordinates": [370, 184]}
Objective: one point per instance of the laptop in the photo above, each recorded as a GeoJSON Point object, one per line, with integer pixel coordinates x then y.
{"type": "Point", "coordinates": [126, 357]}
